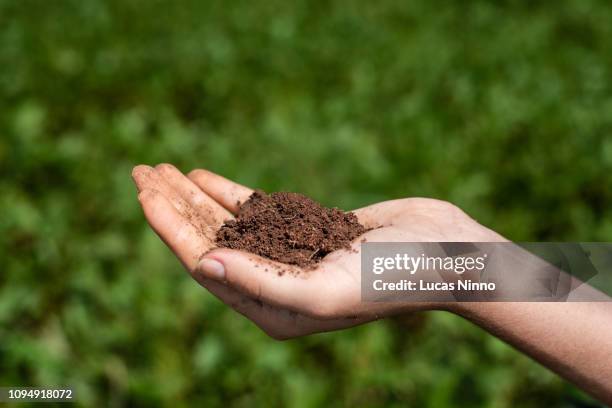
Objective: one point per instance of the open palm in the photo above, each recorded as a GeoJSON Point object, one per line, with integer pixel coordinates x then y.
{"type": "Point", "coordinates": [186, 212]}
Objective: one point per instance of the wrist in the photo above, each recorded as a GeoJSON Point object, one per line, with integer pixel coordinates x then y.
{"type": "Point", "coordinates": [458, 308]}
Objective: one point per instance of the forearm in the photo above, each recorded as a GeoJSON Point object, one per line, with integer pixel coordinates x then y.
{"type": "Point", "coordinates": [573, 339]}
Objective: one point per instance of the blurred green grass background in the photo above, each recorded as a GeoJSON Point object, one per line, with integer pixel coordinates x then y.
{"type": "Point", "coordinates": [504, 108]}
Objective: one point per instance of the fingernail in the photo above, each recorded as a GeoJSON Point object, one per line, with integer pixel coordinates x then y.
{"type": "Point", "coordinates": [212, 268]}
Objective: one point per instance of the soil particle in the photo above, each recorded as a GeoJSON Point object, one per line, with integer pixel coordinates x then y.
{"type": "Point", "coordinates": [289, 228]}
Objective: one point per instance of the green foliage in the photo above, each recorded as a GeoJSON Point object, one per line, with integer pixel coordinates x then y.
{"type": "Point", "coordinates": [503, 108]}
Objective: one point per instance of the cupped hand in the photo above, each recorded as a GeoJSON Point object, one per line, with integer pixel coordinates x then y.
{"type": "Point", "coordinates": [285, 301]}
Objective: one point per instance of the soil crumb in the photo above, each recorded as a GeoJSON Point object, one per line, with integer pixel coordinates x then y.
{"type": "Point", "coordinates": [289, 228]}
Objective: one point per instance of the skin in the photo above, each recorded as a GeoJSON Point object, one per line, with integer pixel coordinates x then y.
{"type": "Point", "coordinates": [572, 339]}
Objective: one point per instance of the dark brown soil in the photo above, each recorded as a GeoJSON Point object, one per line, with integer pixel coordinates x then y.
{"type": "Point", "coordinates": [289, 228]}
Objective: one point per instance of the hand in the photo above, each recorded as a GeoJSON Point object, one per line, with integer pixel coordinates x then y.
{"type": "Point", "coordinates": [187, 211]}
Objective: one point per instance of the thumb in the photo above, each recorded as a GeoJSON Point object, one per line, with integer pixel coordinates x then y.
{"type": "Point", "coordinates": [274, 283]}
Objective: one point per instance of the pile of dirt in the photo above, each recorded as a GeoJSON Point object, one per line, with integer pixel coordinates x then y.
{"type": "Point", "coordinates": [289, 228]}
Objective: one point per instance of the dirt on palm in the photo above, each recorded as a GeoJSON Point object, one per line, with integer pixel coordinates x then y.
{"type": "Point", "coordinates": [289, 228]}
